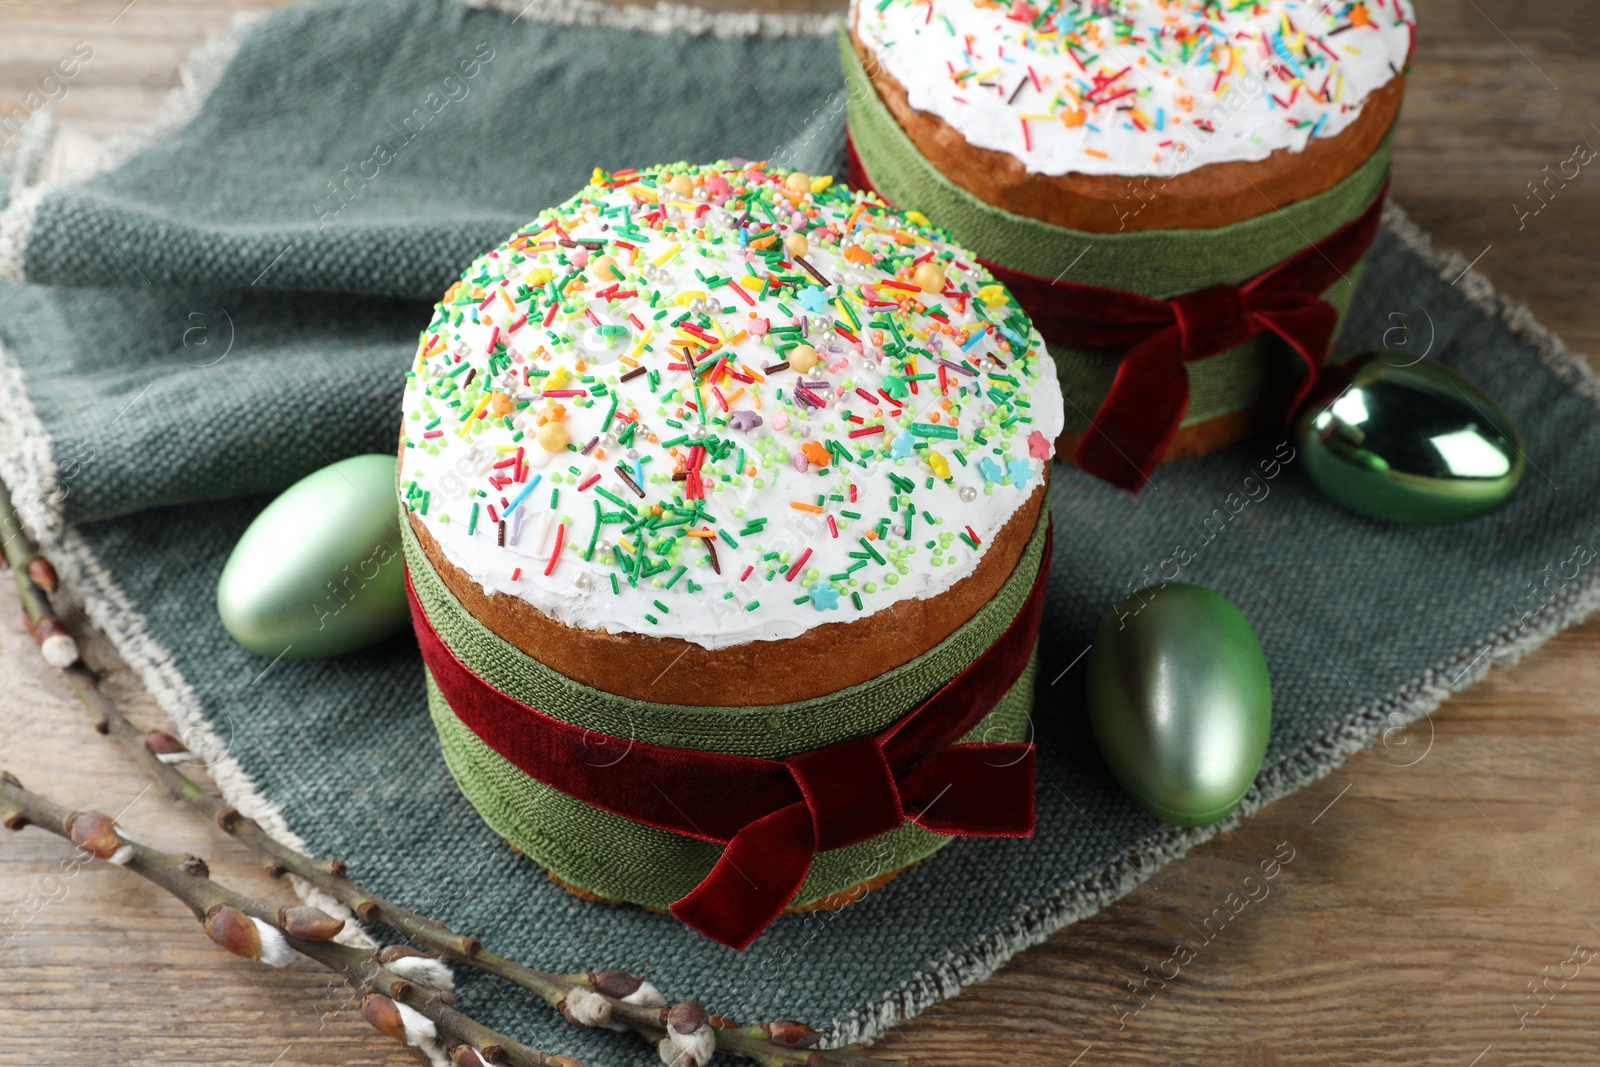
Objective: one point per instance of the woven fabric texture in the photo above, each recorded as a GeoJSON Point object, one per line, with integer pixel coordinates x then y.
{"type": "Point", "coordinates": [133, 461]}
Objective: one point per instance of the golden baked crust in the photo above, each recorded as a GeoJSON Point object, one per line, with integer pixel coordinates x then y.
{"type": "Point", "coordinates": [1213, 195]}
{"type": "Point", "coordinates": [670, 670]}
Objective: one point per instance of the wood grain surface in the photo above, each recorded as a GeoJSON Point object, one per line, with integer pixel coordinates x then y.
{"type": "Point", "coordinates": [1421, 907]}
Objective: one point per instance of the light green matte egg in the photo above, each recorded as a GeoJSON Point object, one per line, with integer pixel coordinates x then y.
{"type": "Point", "coordinates": [1180, 701]}
{"type": "Point", "coordinates": [319, 572]}
{"type": "Point", "coordinates": [1416, 443]}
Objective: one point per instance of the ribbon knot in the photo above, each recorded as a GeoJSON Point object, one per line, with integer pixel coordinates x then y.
{"type": "Point", "coordinates": [980, 790]}
{"type": "Point", "coordinates": [849, 791]}
{"type": "Point", "coordinates": [1150, 394]}
{"type": "Point", "coordinates": [1216, 318]}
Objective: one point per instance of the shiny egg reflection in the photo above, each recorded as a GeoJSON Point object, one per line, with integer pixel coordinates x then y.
{"type": "Point", "coordinates": [1416, 444]}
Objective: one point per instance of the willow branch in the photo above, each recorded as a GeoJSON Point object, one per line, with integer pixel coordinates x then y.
{"type": "Point", "coordinates": [629, 1003]}
{"type": "Point", "coordinates": [226, 914]}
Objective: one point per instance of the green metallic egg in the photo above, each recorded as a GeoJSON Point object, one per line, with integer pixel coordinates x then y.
{"type": "Point", "coordinates": [1417, 444]}
{"type": "Point", "coordinates": [319, 572]}
{"type": "Point", "coordinates": [1180, 701]}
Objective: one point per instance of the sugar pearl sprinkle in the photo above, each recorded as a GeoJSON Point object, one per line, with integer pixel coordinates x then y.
{"type": "Point", "coordinates": [1139, 87]}
{"type": "Point", "coordinates": [724, 403]}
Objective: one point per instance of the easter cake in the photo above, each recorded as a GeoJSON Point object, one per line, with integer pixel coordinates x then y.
{"type": "Point", "coordinates": [1158, 148]}
{"type": "Point", "coordinates": [726, 534]}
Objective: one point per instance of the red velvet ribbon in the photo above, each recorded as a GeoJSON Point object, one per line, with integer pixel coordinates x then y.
{"type": "Point", "coordinates": [773, 815]}
{"type": "Point", "coordinates": [1150, 394]}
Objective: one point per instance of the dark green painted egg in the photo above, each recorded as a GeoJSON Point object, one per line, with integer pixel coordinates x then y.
{"type": "Point", "coordinates": [1418, 444]}
{"type": "Point", "coordinates": [1180, 701]}
{"type": "Point", "coordinates": [319, 572]}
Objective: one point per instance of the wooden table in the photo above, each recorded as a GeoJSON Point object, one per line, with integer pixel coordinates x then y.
{"type": "Point", "coordinates": [1423, 902]}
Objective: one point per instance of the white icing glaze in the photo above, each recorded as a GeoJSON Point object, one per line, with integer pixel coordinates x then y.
{"type": "Point", "coordinates": [1129, 87]}
{"type": "Point", "coordinates": [448, 467]}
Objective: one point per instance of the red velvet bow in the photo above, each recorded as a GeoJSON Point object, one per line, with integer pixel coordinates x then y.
{"type": "Point", "coordinates": [773, 815]}
{"type": "Point", "coordinates": [1150, 394]}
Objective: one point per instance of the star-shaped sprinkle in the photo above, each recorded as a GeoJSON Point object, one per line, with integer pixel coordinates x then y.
{"type": "Point", "coordinates": [814, 299]}
{"type": "Point", "coordinates": [824, 598]}
{"type": "Point", "coordinates": [1021, 471]}
{"type": "Point", "coordinates": [990, 470]}
{"type": "Point", "coordinates": [901, 446]}
{"type": "Point", "coordinates": [1039, 446]}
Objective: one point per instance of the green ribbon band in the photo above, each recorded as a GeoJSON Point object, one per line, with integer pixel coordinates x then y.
{"type": "Point", "coordinates": [770, 731]}
{"type": "Point", "coordinates": [619, 859]}
{"type": "Point", "coordinates": [1154, 263]}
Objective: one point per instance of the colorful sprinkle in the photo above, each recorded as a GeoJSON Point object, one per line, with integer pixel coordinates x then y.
{"type": "Point", "coordinates": [724, 440]}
